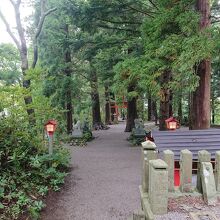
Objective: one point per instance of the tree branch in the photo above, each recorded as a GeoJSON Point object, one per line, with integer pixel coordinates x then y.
{"type": "Point", "coordinates": [119, 29]}
{"type": "Point", "coordinates": [152, 3]}
{"type": "Point", "coordinates": [119, 22]}
{"type": "Point", "coordinates": [8, 29]}
{"type": "Point", "coordinates": [140, 11]}
{"type": "Point", "coordinates": [19, 25]}
{"type": "Point", "coordinates": [39, 29]}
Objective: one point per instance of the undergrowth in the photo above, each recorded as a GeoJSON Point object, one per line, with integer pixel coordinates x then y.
{"type": "Point", "coordinates": [27, 172]}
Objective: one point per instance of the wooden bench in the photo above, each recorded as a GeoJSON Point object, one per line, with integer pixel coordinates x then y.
{"type": "Point", "coordinates": [193, 140]}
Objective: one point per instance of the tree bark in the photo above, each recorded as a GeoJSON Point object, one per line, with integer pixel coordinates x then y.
{"type": "Point", "coordinates": [107, 106]}
{"type": "Point", "coordinates": [149, 108]}
{"type": "Point", "coordinates": [131, 110]}
{"type": "Point", "coordinates": [96, 114]}
{"type": "Point", "coordinates": [164, 100]}
{"type": "Point", "coordinates": [213, 107]}
{"type": "Point", "coordinates": [180, 110]}
{"type": "Point", "coordinates": [171, 104]}
{"type": "Point", "coordinates": [200, 111]}
{"type": "Point", "coordinates": [154, 110]}
{"type": "Point", "coordinates": [68, 72]}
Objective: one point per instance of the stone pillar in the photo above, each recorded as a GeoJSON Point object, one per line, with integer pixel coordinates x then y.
{"type": "Point", "coordinates": [203, 156]}
{"type": "Point", "coordinates": [168, 157]}
{"type": "Point", "coordinates": [158, 186]}
{"type": "Point", "coordinates": [148, 153]}
{"type": "Point", "coordinates": [185, 171]}
{"type": "Point", "coordinates": [217, 170]}
{"type": "Point", "coordinates": [208, 183]}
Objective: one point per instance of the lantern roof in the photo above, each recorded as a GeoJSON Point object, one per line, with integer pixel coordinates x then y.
{"type": "Point", "coordinates": [171, 119]}
{"type": "Point", "coordinates": [53, 122]}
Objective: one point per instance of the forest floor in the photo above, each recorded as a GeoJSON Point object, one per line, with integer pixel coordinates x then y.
{"type": "Point", "coordinates": [104, 180]}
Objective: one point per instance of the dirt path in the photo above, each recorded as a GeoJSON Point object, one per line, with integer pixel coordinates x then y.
{"type": "Point", "coordinates": [103, 184]}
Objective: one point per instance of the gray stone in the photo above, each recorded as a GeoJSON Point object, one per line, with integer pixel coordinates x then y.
{"type": "Point", "coordinates": [208, 183]}
{"type": "Point", "coordinates": [168, 157]}
{"type": "Point", "coordinates": [139, 130]}
{"type": "Point", "coordinates": [217, 170]}
{"type": "Point", "coordinates": [138, 215]}
{"type": "Point", "coordinates": [158, 186]}
{"type": "Point", "coordinates": [146, 205]}
{"type": "Point", "coordinates": [77, 132]}
{"type": "Point", "coordinates": [148, 153]}
{"type": "Point", "coordinates": [203, 156]}
{"type": "Point", "coordinates": [186, 171]}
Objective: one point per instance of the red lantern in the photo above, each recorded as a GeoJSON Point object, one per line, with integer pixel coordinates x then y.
{"type": "Point", "coordinates": [50, 127]}
{"type": "Point", "coordinates": [172, 123]}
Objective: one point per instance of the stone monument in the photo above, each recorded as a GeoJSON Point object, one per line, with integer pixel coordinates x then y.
{"type": "Point", "coordinates": [77, 132]}
{"type": "Point", "coordinates": [138, 133]}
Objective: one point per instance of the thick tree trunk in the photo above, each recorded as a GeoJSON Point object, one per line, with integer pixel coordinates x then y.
{"type": "Point", "coordinates": [131, 111]}
{"type": "Point", "coordinates": [107, 106]}
{"type": "Point", "coordinates": [96, 114]}
{"type": "Point", "coordinates": [68, 72]}
{"type": "Point", "coordinates": [200, 110]}
{"type": "Point", "coordinates": [27, 83]}
{"type": "Point", "coordinates": [164, 100]}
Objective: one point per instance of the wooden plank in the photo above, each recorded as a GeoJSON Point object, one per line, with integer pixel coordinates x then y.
{"type": "Point", "coordinates": [194, 140]}
{"type": "Point", "coordinates": [191, 132]}
{"type": "Point", "coordinates": [187, 141]}
{"type": "Point", "coordinates": [186, 145]}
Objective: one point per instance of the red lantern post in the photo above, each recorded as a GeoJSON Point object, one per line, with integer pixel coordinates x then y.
{"type": "Point", "coordinates": [50, 128]}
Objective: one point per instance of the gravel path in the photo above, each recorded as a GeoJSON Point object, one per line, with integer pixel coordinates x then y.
{"type": "Point", "coordinates": [103, 184]}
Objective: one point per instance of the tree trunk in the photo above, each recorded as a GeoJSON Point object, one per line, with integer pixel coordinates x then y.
{"type": "Point", "coordinates": [200, 111]}
{"type": "Point", "coordinates": [154, 110]}
{"type": "Point", "coordinates": [26, 82]}
{"type": "Point", "coordinates": [96, 114]}
{"type": "Point", "coordinates": [171, 104]}
{"type": "Point", "coordinates": [68, 72]}
{"type": "Point", "coordinates": [107, 106]}
{"type": "Point", "coordinates": [213, 108]}
{"type": "Point", "coordinates": [164, 100]}
{"type": "Point", "coordinates": [180, 110]}
{"type": "Point", "coordinates": [149, 108]}
{"type": "Point", "coordinates": [131, 111]}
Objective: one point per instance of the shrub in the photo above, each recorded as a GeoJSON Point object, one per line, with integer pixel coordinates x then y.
{"type": "Point", "coordinates": [27, 172]}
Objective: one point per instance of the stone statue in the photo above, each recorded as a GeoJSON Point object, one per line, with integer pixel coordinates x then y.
{"type": "Point", "coordinates": [139, 128]}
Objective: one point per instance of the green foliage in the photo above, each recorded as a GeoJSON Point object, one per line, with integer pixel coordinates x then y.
{"type": "Point", "coordinates": [10, 72]}
{"type": "Point", "coordinates": [27, 172]}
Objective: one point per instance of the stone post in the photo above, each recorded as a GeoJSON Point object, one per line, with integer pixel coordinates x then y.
{"type": "Point", "coordinates": [168, 157]}
{"type": "Point", "coordinates": [158, 186]}
{"type": "Point", "coordinates": [203, 156]}
{"type": "Point", "coordinates": [217, 170]}
{"type": "Point", "coordinates": [208, 183]}
{"type": "Point", "coordinates": [148, 153]}
{"type": "Point", "coordinates": [185, 171]}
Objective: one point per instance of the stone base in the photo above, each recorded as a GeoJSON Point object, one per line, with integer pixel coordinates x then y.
{"type": "Point", "coordinates": [146, 205]}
